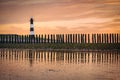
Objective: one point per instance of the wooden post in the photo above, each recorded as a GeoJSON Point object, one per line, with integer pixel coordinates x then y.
{"type": "Point", "coordinates": [65, 38]}
{"type": "Point", "coordinates": [117, 38]}
{"type": "Point", "coordinates": [45, 39]}
{"type": "Point", "coordinates": [85, 38]}
{"type": "Point", "coordinates": [6, 39]}
{"type": "Point", "coordinates": [97, 38]}
{"type": "Point", "coordinates": [53, 38]}
{"type": "Point", "coordinates": [0, 39]}
{"type": "Point", "coordinates": [36, 38]}
{"type": "Point", "coordinates": [39, 38]}
{"type": "Point", "coordinates": [42, 38]}
{"type": "Point", "coordinates": [56, 38]}
{"type": "Point", "coordinates": [22, 39]}
{"type": "Point", "coordinates": [102, 38]}
{"type": "Point", "coordinates": [92, 38]}
{"type": "Point", "coordinates": [78, 38]}
{"type": "Point", "coordinates": [48, 38]}
{"type": "Point", "coordinates": [81, 38]}
{"type": "Point", "coordinates": [88, 38]}
{"type": "Point", "coordinates": [26, 38]}
{"type": "Point", "coordinates": [110, 38]}
{"type": "Point", "coordinates": [107, 39]}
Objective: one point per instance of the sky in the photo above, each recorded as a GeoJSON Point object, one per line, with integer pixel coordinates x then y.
{"type": "Point", "coordinates": [60, 16]}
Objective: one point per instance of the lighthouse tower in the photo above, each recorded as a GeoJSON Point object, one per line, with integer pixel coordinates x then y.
{"type": "Point", "coordinates": [31, 28]}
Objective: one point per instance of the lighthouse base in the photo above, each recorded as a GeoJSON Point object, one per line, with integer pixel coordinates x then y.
{"type": "Point", "coordinates": [31, 36]}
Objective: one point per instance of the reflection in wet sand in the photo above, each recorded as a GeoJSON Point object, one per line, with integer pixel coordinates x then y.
{"type": "Point", "coordinates": [58, 56]}
{"type": "Point", "coordinates": [25, 64]}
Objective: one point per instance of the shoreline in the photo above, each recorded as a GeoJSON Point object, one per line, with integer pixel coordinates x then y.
{"type": "Point", "coordinates": [77, 50]}
{"type": "Point", "coordinates": [64, 47]}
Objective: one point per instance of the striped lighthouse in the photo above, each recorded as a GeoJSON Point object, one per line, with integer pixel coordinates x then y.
{"type": "Point", "coordinates": [31, 28]}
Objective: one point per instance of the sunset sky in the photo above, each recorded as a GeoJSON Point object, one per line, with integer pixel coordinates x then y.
{"type": "Point", "coordinates": [60, 16]}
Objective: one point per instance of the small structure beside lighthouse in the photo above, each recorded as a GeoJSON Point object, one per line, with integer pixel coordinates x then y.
{"type": "Point", "coordinates": [31, 28]}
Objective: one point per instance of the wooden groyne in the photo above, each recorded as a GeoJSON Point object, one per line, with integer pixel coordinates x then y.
{"type": "Point", "coordinates": [61, 38]}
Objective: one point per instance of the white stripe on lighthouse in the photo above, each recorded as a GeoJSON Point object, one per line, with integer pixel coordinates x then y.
{"type": "Point", "coordinates": [31, 32]}
{"type": "Point", "coordinates": [31, 26]}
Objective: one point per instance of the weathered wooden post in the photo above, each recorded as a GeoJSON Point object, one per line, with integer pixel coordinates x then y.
{"type": "Point", "coordinates": [12, 39]}
{"type": "Point", "coordinates": [88, 38]}
{"type": "Point", "coordinates": [26, 38]}
{"type": "Point", "coordinates": [68, 38]}
{"type": "Point", "coordinates": [19, 38]}
{"type": "Point", "coordinates": [117, 38]}
{"type": "Point", "coordinates": [48, 39]}
{"type": "Point", "coordinates": [112, 38]}
{"type": "Point", "coordinates": [102, 38]}
{"type": "Point", "coordinates": [85, 38]}
{"type": "Point", "coordinates": [36, 40]}
{"type": "Point", "coordinates": [15, 39]}
{"type": "Point", "coordinates": [58, 38]}
{"type": "Point", "coordinates": [4, 38]}
{"type": "Point", "coordinates": [29, 39]}
{"type": "Point", "coordinates": [22, 39]}
{"type": "Point", "coordinates": [92, 38]}
{"type": "Point", "coordinates": [107, 38]}
{"type": "Point", "coordinates": [97, 38]}
{"type": "Point", "coordinates": [76, 38]}
{"type": "Point", "coordinates": [63, 38]}
{"type": "Point", "coordinates": [42, 38]}
{"type": "Point", "coordinates": [81, 38]}
{"type": "Point", "coordinates": [0, 39]}
{"type": "Point", "coordinates": [39, 38]}
{"type": "Point", "coordinates": [51, 38]}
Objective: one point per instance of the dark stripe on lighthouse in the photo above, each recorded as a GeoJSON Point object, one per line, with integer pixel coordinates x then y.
{"type": "Point", "coordinates": [31, 29]}
{"type": "Point", "coordinates": [31, 21]}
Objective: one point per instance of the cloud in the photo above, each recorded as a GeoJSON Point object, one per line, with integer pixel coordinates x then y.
{"type": "Point", "coordinates": [72, 15]}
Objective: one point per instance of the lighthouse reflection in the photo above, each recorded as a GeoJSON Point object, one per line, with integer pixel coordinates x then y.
{"type": "Point", "coordinates": [55, 57]}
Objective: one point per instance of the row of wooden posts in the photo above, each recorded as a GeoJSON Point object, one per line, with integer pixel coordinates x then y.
{"type": "Point", "coordinates": [61, 38]}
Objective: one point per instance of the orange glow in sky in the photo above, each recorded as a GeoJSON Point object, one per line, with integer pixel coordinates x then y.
{"type": "Point", "coordinates": [60, 16]}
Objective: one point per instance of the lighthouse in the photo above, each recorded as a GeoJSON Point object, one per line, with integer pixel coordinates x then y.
{"type": "Point", "coordinates": [31, 28]}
